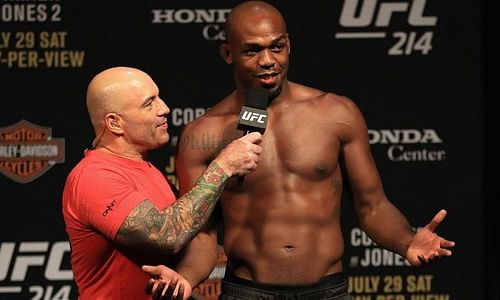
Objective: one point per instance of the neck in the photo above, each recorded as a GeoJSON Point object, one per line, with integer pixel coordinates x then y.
{"type": "Point", "coordinates": [124, 154]}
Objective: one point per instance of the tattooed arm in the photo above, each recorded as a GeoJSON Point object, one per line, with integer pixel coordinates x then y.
{"type": "Point", "coordinates": [168, 230]}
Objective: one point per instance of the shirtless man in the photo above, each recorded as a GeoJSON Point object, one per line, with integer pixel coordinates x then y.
{"type": "Point", "coordinates": [282, 233]}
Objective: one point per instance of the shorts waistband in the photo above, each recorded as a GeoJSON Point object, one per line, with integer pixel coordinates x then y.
{"type": "Point", "coordinates": [327, 287]}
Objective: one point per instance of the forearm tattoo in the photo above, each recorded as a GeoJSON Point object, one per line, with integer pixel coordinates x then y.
{"type": "Point", "coordinates": [169, 229]}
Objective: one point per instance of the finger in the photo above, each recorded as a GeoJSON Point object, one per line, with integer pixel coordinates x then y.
{"type": "Point", "coordinates": [159, 290]}
{"type": "Point", "coordinates": [254, 160]}
{"type": "Point", "coordinates": [422, 259]}
{"type": "Point", "coordinates": [149, 286]}
{"type": "Point", "coordinates": [156, 285]}
{"type": "Point", "coordinates": [257, 149]}
{"type": "Point", "coordinates": [180, 292]}
{"type": "Point", "coordinates": [415, 261]}
{"type": "Point", "coordinates": [438, 218]}
{"type": "Point", "coordinates": [253, 137]}
{"type": "Point", "coordinates": [447, 244]}
{"type": "Point", "coordinates": [445, 252]}
{"type": "Point", "coordinates": [433, 255]}
{"type": "Point", "coordinates": [170, 290]}
{"type": "Point", "coordinates": [151, 270]}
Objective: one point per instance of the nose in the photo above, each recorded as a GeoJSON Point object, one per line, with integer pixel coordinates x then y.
{"type": "Point", "coordinates": [163, 109]}
{"type": "Point", "coordinates": [266, 59]}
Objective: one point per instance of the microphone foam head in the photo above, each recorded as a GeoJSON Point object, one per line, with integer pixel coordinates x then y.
{"type": "Point", "coordinates": [257, 97]}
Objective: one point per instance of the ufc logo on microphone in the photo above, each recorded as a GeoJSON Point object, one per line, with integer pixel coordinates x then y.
{"type": "Point", "coordinates": [254, 117]}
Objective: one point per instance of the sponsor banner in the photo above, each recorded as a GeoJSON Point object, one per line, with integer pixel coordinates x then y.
{"type": "Point", "coordinates": [401, 61]}
{"type": "Point", "coordinates": [30, 37]}
{"type": "Point", "coordinates": [410, 25]}
{"type": "Point", "coordinates": [409, 145]}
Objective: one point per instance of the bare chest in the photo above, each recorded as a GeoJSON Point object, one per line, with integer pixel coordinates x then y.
{"type": "Point", "coordinates": [294, 143]}
{"type": "Point", "coordinates": [300, 146]}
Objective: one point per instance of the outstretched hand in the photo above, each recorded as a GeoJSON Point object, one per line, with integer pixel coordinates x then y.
{"type": "Point", "coordinates": [427, 245]}
{"type": "Point", "coordinates": [166, 284]}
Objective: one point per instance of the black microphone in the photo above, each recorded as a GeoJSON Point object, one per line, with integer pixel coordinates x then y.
{"type": "Point", "coordinates": [253, 115]}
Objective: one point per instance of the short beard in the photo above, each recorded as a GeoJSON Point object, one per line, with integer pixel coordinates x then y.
{"type": "Point", "coordinates": [274, 93]}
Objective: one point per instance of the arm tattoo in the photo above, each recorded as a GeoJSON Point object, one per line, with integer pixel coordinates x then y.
{"type": "Point", "coordinates": [169, 229]}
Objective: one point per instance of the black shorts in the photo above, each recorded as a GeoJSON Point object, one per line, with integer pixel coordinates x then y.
{"type": "Point", "coordinates": [333, 286]}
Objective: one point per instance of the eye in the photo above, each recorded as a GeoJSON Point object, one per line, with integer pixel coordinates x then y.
{"type": "Point", "coordinates": [148, 104]}
{"type": "Point", "coordinates": [278, 47]}
{"type": "Point", "coordinates": [251, 50]}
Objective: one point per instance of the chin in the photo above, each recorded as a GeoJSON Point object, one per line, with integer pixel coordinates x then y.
{"type": "Point", "coordinates": [274, 92]}
{"type": "Point", "coordinates": [163, 140]}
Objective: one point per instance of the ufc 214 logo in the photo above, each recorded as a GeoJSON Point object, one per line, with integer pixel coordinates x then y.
{"type": "Point", "coordinates": [370, 19]}
{"type": "Point", "coordinates": [254, 117]}
{"type": "Point", "coordinates": [35, 270]}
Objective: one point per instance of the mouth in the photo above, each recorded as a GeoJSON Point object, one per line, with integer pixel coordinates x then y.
{"type": "Point", "coordinates": [163, 125]}
{"type": "Point", "coordinates": [268, 78]}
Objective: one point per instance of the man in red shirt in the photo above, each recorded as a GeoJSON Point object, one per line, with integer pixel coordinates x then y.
{"type": "Point", "coordinates": [119, 210]}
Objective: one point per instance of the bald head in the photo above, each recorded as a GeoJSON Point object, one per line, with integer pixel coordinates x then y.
{"type": "Point", "coordinates": [250, 13]}
{"type": "Point", "coordinates": [107, 92]}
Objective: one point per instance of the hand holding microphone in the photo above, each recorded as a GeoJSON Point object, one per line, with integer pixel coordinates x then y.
{"type": "Point", "coordinates": [253, 115]}
{"type": "Point", "coordinates": [240, 156]}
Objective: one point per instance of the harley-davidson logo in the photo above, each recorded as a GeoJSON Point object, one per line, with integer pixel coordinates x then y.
{"type": "Point", "coordinates": [28, 150]}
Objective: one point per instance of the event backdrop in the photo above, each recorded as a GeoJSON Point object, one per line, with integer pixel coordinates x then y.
{"type": "Point", "coordinates": [413, 67]}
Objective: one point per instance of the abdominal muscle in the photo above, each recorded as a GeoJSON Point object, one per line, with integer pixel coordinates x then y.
{"type": "Point", "coordinates": [278, 235]}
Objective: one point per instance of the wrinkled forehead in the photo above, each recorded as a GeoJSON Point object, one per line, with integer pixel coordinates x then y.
{"type": "Point", "coordinates": [133, 91]}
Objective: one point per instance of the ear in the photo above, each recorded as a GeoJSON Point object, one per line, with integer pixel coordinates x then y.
{"type": "Point", "coordinates": [225, 53]}
{"type": "Point", "coordinates": [113, 123]}
{"type": "Point", "coordinates": [288, 44]}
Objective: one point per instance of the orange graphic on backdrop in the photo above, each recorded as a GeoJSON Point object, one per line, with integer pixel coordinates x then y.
{"type": "Point", "coordinates": [28, 150]}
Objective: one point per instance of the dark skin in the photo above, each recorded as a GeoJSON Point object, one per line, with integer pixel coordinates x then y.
{"type": "Point", "coordinates": [282, 225]}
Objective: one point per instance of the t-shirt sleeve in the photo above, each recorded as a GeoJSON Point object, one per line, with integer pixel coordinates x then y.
{"type": "Point", "coordinates": [107, 198]}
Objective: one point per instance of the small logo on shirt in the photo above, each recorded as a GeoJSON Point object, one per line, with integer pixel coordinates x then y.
{"type": "Point", "coordinates": [109, 208]}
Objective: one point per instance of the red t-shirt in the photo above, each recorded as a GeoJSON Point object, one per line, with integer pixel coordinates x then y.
{"type": "Point", "coordinates": [98, 195]}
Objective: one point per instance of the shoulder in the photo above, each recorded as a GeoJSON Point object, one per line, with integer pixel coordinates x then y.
{"type": "Point", "coordinates": [214, 119]}
{"type": "Point", "coordinates": [203, 138]}
{"type": "Point", "coordinates": [94, 169]}
{"type": "Point", "coordinates": [324, 102]}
